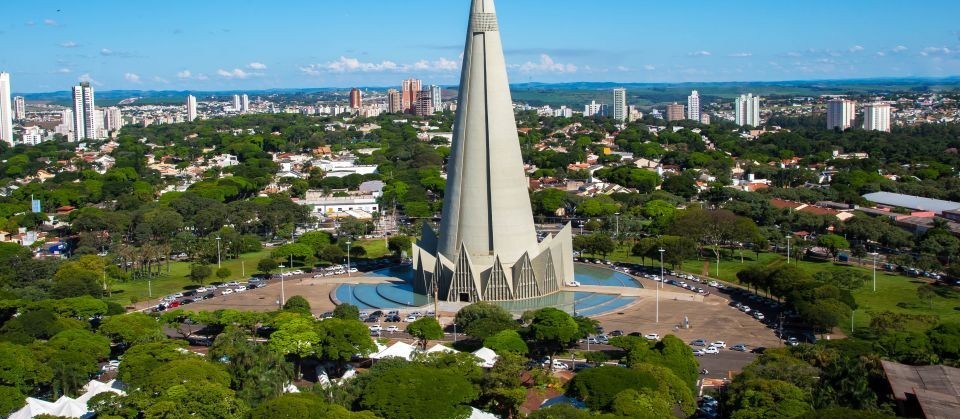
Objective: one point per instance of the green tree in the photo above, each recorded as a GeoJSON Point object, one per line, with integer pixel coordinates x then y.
{"type": "Point", "coordinates": [304, 406]}
{"type": "Point", "coordinates": [132, 329]}
{"type": "Point", "coordinates": [73, 356]}
{"type": "Point", "coordinates": [342, 339]}
{"type": "Point", "coordinates": [927, 293]}
{"type": "Point", "coordinates": [833, 243]}
{"type": "Point", "coordinates": [641, 404]}
{"type": "Point", "coordinates": [19, 369]}
{"type": "Point", "coordinates": [223, 273]}
{"type": "Point", "coordinates": [763, 398]}
{"type": "Point", "coordinates": [296, 336]}
{"type": "Point", "coordinates": [267, 265]}
{"type": "Point", "coordinates": [501, 390]}
{"type": "Point", "coordinates": [297, 304]}
{"type": "Point", "coordinates": [479, 311]}
{"type": "Point", "coordinates": [507, 341]}
{"type": "Point", "coordinates": [200, 272]}
{"type": "Point", "coordinates": [425, 329]}
{"type": "Point", "coordinates": [346, 312]}
{"type": "Point", "coordinates": [553, 329]}
{"type": "Point", "coordinates": [418, 392]}
{"type": "Point", "coordinates": [399, 244]}
{"type": "Point", "coordinates": [317, 240]}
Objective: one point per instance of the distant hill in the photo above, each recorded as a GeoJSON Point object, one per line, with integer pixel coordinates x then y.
{"type": "Point", "coordinates": [573, 94]}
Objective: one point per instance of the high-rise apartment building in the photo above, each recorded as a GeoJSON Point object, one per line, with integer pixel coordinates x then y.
{"type": "Point", "coordinates": [746, 110]}
{"type": "Point", "coordinates": [356, 98]}
{"type": "Point", "coordinates": [236, 103]}
{"type": "Point", "coordinates": [594, 109]}
{"type": "Point", "coordinates": [693, 106]}
{"type": "Point", "coordinates": [244, 103]}
{"type": "Point", "coordinates": [620, 105]}
{"type": "Point", "coordinates": [84, 113]}
{"type": "Point", "coordinates": [674, 112]}
{"type": "Point", "coordinates": [436, 93]}
{"type": "Point", "coordinates": [394, 101]}
{"type": "Point", "coordinates": [876, 117]}
{"type": "Point", "coordinates": [841, 113]}
{"type": "Point", "coordinates": [424, 105]}
{"type": "Point", "coordinates": [191, 108]}
{"type": "Point", "coordinates": [112, 119]}
{"type": "Point", "coordinates": [6, 112]}
{"type": "Point", "coordinates": [409, 91]}
{"type": "Point", "coordinates": [19, 108]}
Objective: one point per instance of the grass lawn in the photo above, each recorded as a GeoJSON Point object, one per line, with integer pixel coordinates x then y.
{"type": "Point", "coordinates": [897, 293]}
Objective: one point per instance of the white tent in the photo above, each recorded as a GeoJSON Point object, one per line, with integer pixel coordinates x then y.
{"type": "Point", "coordinates": [487, 357]}
{"type": "Point", "coordinates": [440, 348]}
{"type": "Point", "coordinates": [67, 406]}
{"type": "Point", "coordinates": [397, 350]}
{"type": "Point", "coordinates": [479, 414]}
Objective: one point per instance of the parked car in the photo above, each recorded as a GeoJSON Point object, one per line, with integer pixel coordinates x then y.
{"type": "Point", "coordinates": [201, 289]}
{"type": "Point", "coordinates": [739, 347]}
{"type": "Point", "coordinates": [226, 291]}
{"type": "Point", "coordinates": [699, 342]}
{"type": "Point", "coordinates": [758, 315]}
{"type": "Point", "coordinates": [393, 329]}
{"type": "Point", "coordinates": [376, 329]}
{"type": "Point", "coordinates": [711, 350]}
{"type": "Point", "coordinates": [652, 336]}
{"type": "Point", "coordinates": [209, 295]}
{"type": "Point", "coordinates": [616, 333]}
{"type": "Point", "coordinates": [240, 289]}
{"type": "Point", "coordinates": [557, 365]}
{"type": "Point", "coordinates": [410, 319]}
{"type": "Point", "coordinates": [792, 341]}
{"type": "Point", "coordinates": [719, 344]}
{"type": "Point", "coordinates": [698, 352]}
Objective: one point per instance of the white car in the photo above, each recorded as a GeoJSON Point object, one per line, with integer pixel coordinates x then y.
{"type": "Point", "coordinates": [698, 352]}
{"type": "Point", "coordinates": [177, 295]}
{"type": "Point", "coordinates": [745, 309]}
{"type": "Point", "coordinates": [201, 289]}
{"type": "Point", "coordinates": [713, 284]}
{"type": "Point", "coordinates": [393, 329]}
{"type": "Point", "coordinates": [232, 284]}
{"type": "Point", "coordinates": [318, 276]}
{"type": "Point", "coordinates": [758, 315]}
{"type": "Point", "coordinates": [711, 350]}
{"type": "Point", "coordinates": [296, 272]}
{"type": "Point", "coordinates": [410, 319]}
{"type": "Point", "coordinates": [719, 344]}
{"type": "Point", "coordinates": [652, 336]}
{"type": "Point", "coordinates": [339, 272]}
{"type": "Point", "coordinates": [573, 284]}
{"type": "Point", "coordinates": [240, 289]}
{"type": "Point", "coordinates": [353, 270]}
{"type": "Point", "coordinates": [226, 291]}
{"type": "Point", "coordinates": [376, 329]}
{"type": "Point", "coordinates": [557, 365]}
{"type": "Point", "coordinates": [168, 299]}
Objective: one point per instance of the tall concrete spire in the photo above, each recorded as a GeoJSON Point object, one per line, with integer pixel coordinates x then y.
{"type": "Point", "coordinates": [487, 227]}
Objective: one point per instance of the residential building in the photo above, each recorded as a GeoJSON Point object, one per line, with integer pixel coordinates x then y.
{"type": "Point", "coordinates": [244, 103]}
{"type": "Point", "coordinates": [436, 93]}
{"type": "Point", "coordinates": [191, 108]}
{"type": "Point", "coordinates": [32, 135]}
{"type": "Point", "coordinates": [424, 104]}
{"type": "Point", "coordinates": [84, 112]}
{"type": "Point", "coordinates": [394, 102]}
{"type": "Point", "coordinates": [19, 108]}
{"type": "Point", "coordinates": [840, 113]}
{"type": "Point", "coordinates": [356, 98]}
{"type": "Point", "coordinates": [65, 128]}
{"type": "Point", "coordinates": [674, 112]}
{"type": "Point", "coordinates": [876, 117]}
{"type": "Point", "coordinates": [6, 112]}
{"type": "Point", "coordinates": [563, 112]}
{"type": "Point", "coordinates": [704, 118]}
{"type": "Point", "coordinates": [409, 90]}
{"type": "Point", "coordinates": [620, 105]}
{"type": "Point", "coordinates": [746, 110]}
{"type": "Point", "coordinates": [693, 106]}
{"type": "Point", "coordinates": [594, 109]}
{"type": "Point", "coordinates": [112, 119]}
{"type": "Point", "coordinates": [236, 103]}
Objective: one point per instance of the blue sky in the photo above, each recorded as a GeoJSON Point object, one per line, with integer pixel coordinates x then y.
{"type": "Point", "coordinates": [214, 44]}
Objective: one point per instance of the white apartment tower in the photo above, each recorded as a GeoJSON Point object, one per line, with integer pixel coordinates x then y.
{"type": "Point", "coordinates": [435, 95]}
{"type": "Point", "coordinates": [191, 108]}
{"type": "Point", "coordinates": [693, 106]}
{"type": "Point", "coordinates": [593, 109]}
{"type": "Point", "coordinates": [746, 110]}
{"type": "Point", "coordinates": [112, 119]}
{"type": "Point", "coordinates": [19, 108]}
{"type": "Point", "coordinates": [244, 103]}
{"type": "Point", "coordinates": [620, 110]}
{"type": "Point", "coordinates": [840, 113]}
{"type": "Point", "coordinates": [236, 103]}
{"type": "Point", "coordinates": [876, 117]}
{"type": "Point", "coordinates": [6, 111]}
{"type": "Point", "coordinates": [84, 112]}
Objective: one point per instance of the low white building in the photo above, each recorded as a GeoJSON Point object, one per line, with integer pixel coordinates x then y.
{"type": "Point", "coordinates": [339, 206]}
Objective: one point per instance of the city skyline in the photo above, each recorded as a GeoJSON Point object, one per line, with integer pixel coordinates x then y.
{"type": "Point", "coordinates": [169, 50]}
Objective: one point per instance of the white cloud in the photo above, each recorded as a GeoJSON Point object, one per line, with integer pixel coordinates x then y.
{"type": "Point", "coordinates": [794, 54]}
{"type": "Point", "coordinates": [106, 51]}
{"type": "Point", "coordinates": [132, 78]}
{"type": "Point", "coordinates": [547, 65]}
{"type": "Point", "coordinates": [69, 44]}
{"type": "Point", "coordinates": [159, 79]}
{"type": "Point", "coordinates": [354, 65]}
{"type": "Point", "coordinates": [699, 54]}
{"type": "Point", "coordinates": [742, 54]}
{"type": "Point", "coordinates": [649, 67]}
{"type": "Point", "coordinates": [257, 66]}
{"type": "Point", "coordinates": [202, 77]}
{"type": "Point", "coordinates": [185, 74]}
{"type": "Point", "coordinates": [856, 48]}
{"type": "Point", "coordinates": [233, 74]}
{"type": "Point", "coordinates": [899, 48]}
{"type": "Point", "coordinates": [85, 77]}
{"type": "Point", "coordinates": [935, 51]}
{"type": "Point", "coordinates": [623, 68]}
{"type": "Point", "coordinates": [50, 22]}
{"type": "Point", "coordinates": [881, 54]}
{"type": "Point", "coordinates": [63, 70]}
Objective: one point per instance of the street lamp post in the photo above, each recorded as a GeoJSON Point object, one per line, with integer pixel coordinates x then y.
{"type": "Point", "coordinates": [618, 225]}
{"type": "Point", "coordinates": [348, 258]}
{"type": "Point", "coordinates": [218, 252]}
{"type": "Point", "coordinates": [283, 297]}
{"type": "Point", "coordinates": [581, 227]}
{"type": "Point", "coordinates": [788, 249]}
{"type": "Point", "coordinates": [874, 254]}
{"type": "Point", "coordinates": [661, 282]}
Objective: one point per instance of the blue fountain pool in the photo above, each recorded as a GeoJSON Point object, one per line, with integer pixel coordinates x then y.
{"type": "Point", "coordinates": [398, 294]}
